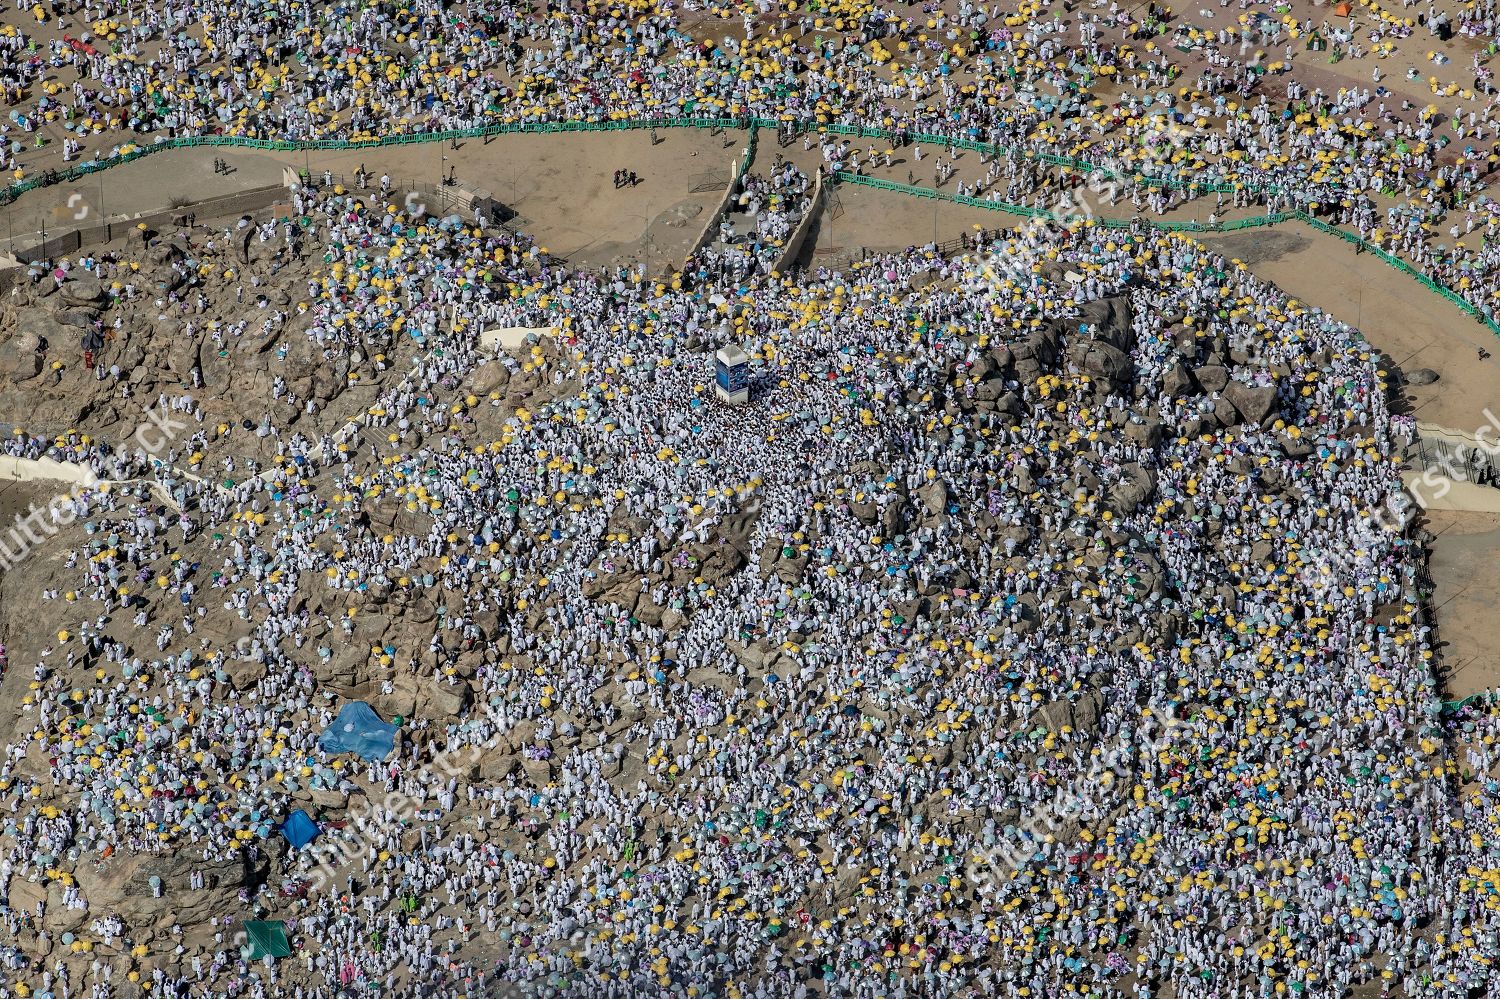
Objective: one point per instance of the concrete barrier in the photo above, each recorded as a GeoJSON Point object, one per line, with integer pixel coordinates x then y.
{"type": "Point", "coordinates": [72, 477]}
{"type": "Point", "coordinates": [15, 469]}
{"type": "Point", "coordinates": [1458, 454]}
{"type": "Point", "coordinates": [798, 238]}
{"type": "Point", "coordinates": [69, 242]}
{"type": "Point", "coordinates": [511, 337]}
{"type": "Point", "coordinates": [711, 227]}
{"type": "Point", "coordinates": [1451, 494]}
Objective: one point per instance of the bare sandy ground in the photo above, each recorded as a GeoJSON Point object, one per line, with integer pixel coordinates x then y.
{"type": "Point", "coordinates": [1416, 329]}
{"type": "Point", "coordinates": [562, 185]}
{"type": "Point", "coordinates": [1466, 568]}
{"type": "Point", "coordinates": [146, 185]}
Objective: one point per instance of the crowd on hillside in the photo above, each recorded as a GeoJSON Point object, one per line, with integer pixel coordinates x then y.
{"type": "Point", "coordinates": [1030, 632]}
{"type": "Point", "coordinates": [1036, 629]}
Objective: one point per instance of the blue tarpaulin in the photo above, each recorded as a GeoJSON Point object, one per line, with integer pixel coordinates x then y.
{"type": "Point", "coordinates": [299, 829]}
{"type": "Point", "coordinates": [358, 729]}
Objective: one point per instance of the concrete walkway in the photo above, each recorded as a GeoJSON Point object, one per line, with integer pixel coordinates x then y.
{"type": "Point", "coordinates": [1441, 493]}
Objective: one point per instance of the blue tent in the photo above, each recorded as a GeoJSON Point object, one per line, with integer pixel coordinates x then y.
{"type": "Point", "coordinates": [358, 729]}
{"type": "Point", "coordinates": [299, 829]}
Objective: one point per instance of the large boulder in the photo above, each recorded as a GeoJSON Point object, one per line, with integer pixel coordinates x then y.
{"type": "Point", "coordinates": [446, 699]}
{"type": "Point", "coordinates": [45, 328]}
{"type": "Point", "coordinates": [182, 355]}
{"type": "Point", "coordinates": [988, 390]}
{"type": "Point", "coordinates": [990, 398]}
{"type": "Point", "coordinates": [1102, 361]}
{"type": "Point", "coordinates": [166, 252]}
{"type": "Point", "coordinates": [342, 668]}
{"type": "Point", "coordinates": [19, 360]}
{"type": "Point", "coordinates": [490, 377]}
{"type": "Point", "coordinates": [1080, 715]}
{"type": "Point", "coordinates": [60, 918]}
{"type": "Point", "coordinates": [1146, 433]}
{"type": "Point", "coordinates": [1254, 403]}
{"type": "Point", "coordinates": [79, 319]}
{"type": "Point", "coordinates": [757, 658]}
{"type": "Point", "coordinates": [330, 379]}
{"type": "Point", "coordinates": [783, 561]}
{"type": "Point", "coordinates": [1110, 321]}
{"type": "Point", "coordinates": [1213, 377]}
{"type": "Point", "coordinates": [893, 518]}
{"type": "Point", "coordinates": [131, 354]}
{"type": "Point", "coordinates": [244, 673]}
{"type": "Point", "coordinates": [1226, 413]}
{"type": "Point", "coordinates": [623, 590]}
{"type": "Point", "coordinates": [1134, 488]}
{"type": "Point", "coordinates": [934, 497]}
{"type": "Point", "coordinates": [84, 290]}
{"type": "Point", "coordinates": [1178, 382]}
{"type": "Point", "coordinates": [1299, 446]}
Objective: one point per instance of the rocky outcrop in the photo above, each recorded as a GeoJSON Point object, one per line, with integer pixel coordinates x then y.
{"type": "Point", "coordinates": [1254, 403]}
{"type": "Point", "coordinates": [83, 290]}
{"type": "Point", "coordinates": [1178, 382]}
{"type": "Point", "coordinates": [129, 885]}
{"type": "Point", "coordinates": [1102, 361]}
{"type": "Point", "coordinates": [1110, 321]}
{"type": "Point", "coordinates": [1212, 377]}
{"type": "Point", "coordinates": [1135, 487]}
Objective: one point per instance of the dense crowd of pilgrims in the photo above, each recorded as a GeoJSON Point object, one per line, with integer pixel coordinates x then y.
{"type": "Point", "coordinates": [1031, 632]}
{"type": "Point", "coordinates": [1026, 634]}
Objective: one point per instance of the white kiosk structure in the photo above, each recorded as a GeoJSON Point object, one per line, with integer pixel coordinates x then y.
{"type": "Point", "coordinates": [732, 375]}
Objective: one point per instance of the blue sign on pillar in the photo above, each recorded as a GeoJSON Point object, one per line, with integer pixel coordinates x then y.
{"type": "Point", "coordinates": [732, 375]}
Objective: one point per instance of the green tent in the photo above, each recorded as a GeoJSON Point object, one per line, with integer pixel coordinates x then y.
{"type": "Point", "coordinates": [267, 938]}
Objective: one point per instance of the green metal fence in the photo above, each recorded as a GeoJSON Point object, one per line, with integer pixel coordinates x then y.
{"type": "Point", "coordinates": [544, 128]}
{"type": "Point", "coordinates": [750, 150]}
{"type": "Point", "coordinates": [754, 124]}
{"type": "Point", "coordinates": [1254, 222]}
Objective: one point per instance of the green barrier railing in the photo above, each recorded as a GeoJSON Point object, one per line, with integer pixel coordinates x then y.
{"type": "Point", "coordinates": [1025, 211]}
{"type": "Point", "coordinates": [750, 150]}
{"type": "Point", "coordinates": [753, 124]}
{"type": "Point", "coordinates": [1254, 222]}
{"type": "Point", "coordinates": [1075, 164]}
{"type": "Point", "coordinates": [1481, 700]}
